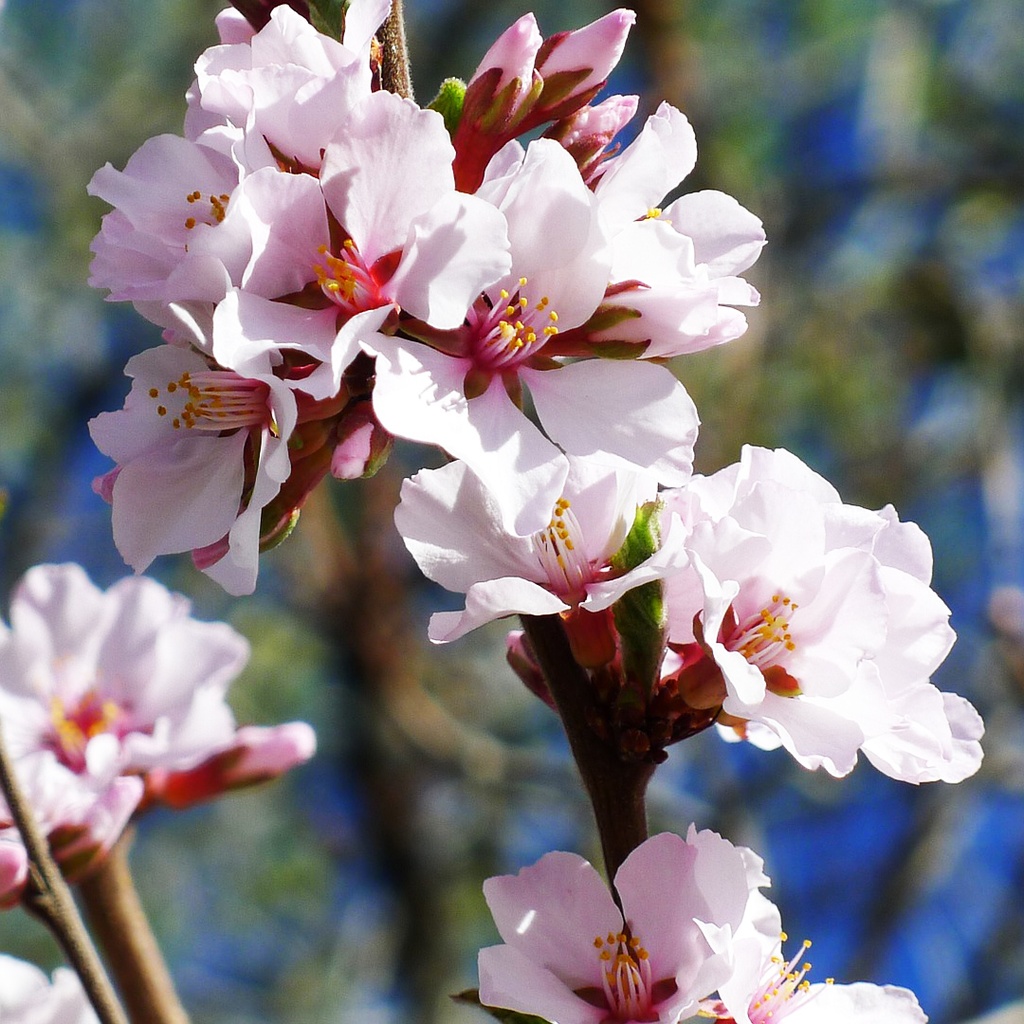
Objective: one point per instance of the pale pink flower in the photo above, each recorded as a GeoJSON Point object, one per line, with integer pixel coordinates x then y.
{"type": "Point", "coordinates": [284, 90]}
{"type": "Point", "coordinates": [200, 452]}
{"type": "Point", "coordinates": [765, 988]}
{"type": "Point", "coordinates": [28, 996]}
{"type": "Point", "coordinates": [114, 682]}
{"type": "Point", "coordinates": [124, 682]}
{"type": "Point", "coordinates": [463, 390]}
{"type": "Point", "coordinates": [410, 242]}
{"type": "Point", "coordinates": [571, 955]}
{"type": "Point", "coordinates": [812, 624]}
{"type": "Point", "coordinates": [81, 816]}
{"type": "Point", "coordinates": [675, 271]}
{"type": "Point", "coordinates": [453, 526]}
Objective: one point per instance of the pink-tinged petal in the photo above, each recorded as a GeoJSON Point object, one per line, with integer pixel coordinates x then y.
{"type": "Point", "coordinates": [182, 496]}
{"type": "Point", "coordinates": [418, 395]}
{"type": "Point", "coordinates": [903, 546]}
{"type": "Point", "coordinates": [362, 19]}
{"type": "Point", "coordinates": [388, 165]}
{"type": "Point", "coordinates": [552, 911]}
{"type": "Point", "coordinates": [138, 427]}
{"type": "Point", "coordinates": [232, 27]}
{"type": "Point", "coordinates": [937, 739]}
{"type": "Point", "coordinates": [662, 918]}
{"type": "Point", "coordinates": [137, 609]}
{"type": "Point", "coordinates": [569, 265]}
{"type": "Point", "coordinates": [784, 468]}
{"type": "Point", "coordinates": [655, 162]}
{"type": "Point", "coordinates": [56, 612]}
{"type": "Point", "coordinates": [860, 1003]}
{"type": "Point", "coordinates": [287, 219]}
{"type": "Point", "coordinates": [726, 237]}
{"type": "Point", "coordinates": [514, 52]}
{"type": "Point", "coordinates": [269, 751]}
{"type": "Point", "coordinates": [513, 981]}
{"type": "Point", "coordinates": [815, 734]}
{"type": "Point", "coordinates": [597, 46]}
{"type": "Point", "coordinates": [454, 529]}
{"type": "Point", "coordinates": [455, 250]}
{"type": "Point", "coordinates": [13, 876]}
{"type": "Point", "coordinates": [627, 413]}
{"type": "Point", "coordinates": [491, 600]}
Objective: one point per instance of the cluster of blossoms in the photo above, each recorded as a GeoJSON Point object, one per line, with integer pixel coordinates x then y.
{"type": "Point", "coordinates": [689, 936]}
{"type": "Point", "coordinates": [335, 266]}
{"type": "Point", "coordinates": [753, 599]}
{"type": "Point", "coordinates": [114, 701]}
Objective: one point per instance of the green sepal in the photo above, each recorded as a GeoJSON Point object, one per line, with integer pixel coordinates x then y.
{"type": "Point", "coordinates": [281, 533]}
{"type": "Point", "coordinates": [328, 16]}
{"type": "Point", "coordinates": [472, 996]}
{"type": "Point", "coordinates": [607, 317]}
{"type": "Point", "coordinates": [643, 539]}
{"type": "Point", "coordinates": [448, 102]}
{"type": "Point", "coordinates": [640, 613]}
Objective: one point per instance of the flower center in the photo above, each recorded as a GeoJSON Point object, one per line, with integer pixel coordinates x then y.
{"type": "Point", "coordinates": [210, 211]}
{"type": "Point", "coordinates": [213, 400]}
{"type": "Point", "coordinates": [625, 976]}
{"type": "Point", "coordinates": [559, 550]}
{"type": "Point", "coordinates": [763, 638]}
{"type": "Point", "coordinates": [74, 726]}
{"type": "Point", "coordinates": [346, 280]}
{"type": "Point", "coordinates": [783, 987]}
{"type": "Point", "coordinates": [512, 331]}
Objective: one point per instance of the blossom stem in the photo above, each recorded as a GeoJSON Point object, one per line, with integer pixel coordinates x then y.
{"type": "Point", "coordinates": [394, 71]}
{"type": "Point", "coordinates": [117, 917]}
{"type": "Point", "coordinates": [616, 788]}
{"type": "Point", "coordinates": [48, 897]}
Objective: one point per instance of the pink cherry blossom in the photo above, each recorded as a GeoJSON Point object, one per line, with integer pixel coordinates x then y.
{"type": "Point", "coordinates": [463, 390]}
{"type": "Point", "coordinates": [81, 816]}
{"type": "Point", "coordinates": [28, 996]}
{"type": "Point", "coordinates": [284, 90]}
{"type": "Point", "coordinates": [675, 272]}
{"type": "Point", "coordinates": [199, 452]}
{"type": "Point", "coordinates": [125, 682]}
{"type": "Point", "coordinates": [765, 988]}
{"type": "Point", "coordinates": [453, 526]}
{"type": "Point", "coordinates": [571, 955]}
{"type": "Point", "coordinates": [813, 625]}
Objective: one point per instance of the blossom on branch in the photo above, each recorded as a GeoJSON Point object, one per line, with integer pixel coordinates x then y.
{"type": "Point", "coordinates": [117, 684]}
{"type": "Point", "coordinates": [453, 526]}
{"type": "Point", "coordinates": [811, 624]}
{"type": "Point", "coordinates": [571, 955]}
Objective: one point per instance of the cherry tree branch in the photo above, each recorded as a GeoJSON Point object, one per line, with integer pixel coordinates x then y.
{"type": "Point", "coordinates": [616, 787]}
{"type": "Point", "coordinates": [48, 897]}
{"type": "Point", "coordinates": [117, 917]}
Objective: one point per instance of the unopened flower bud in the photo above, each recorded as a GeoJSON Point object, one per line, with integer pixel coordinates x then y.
{"type": "Point", "coordinates": [363, 445]}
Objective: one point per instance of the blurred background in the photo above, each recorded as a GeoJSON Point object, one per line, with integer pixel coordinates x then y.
{"type": "Point", "coordinates": [883, 145]}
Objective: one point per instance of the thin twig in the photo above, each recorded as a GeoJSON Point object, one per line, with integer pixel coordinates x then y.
{"type": "Point", "coordinates": [117, 917]}
{"type": "Point", "coordinates": [48, 897]}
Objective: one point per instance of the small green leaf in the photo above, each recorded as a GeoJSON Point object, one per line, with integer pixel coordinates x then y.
{"type": "Point", "coordinates": [328, 16]}
{"type": "Point", "coordinates": [448, 102]}
{"type": "Point", "coordinates": [472, 996]}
